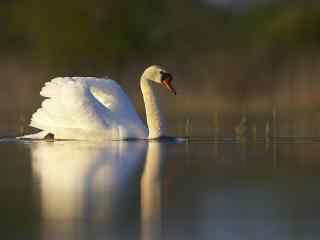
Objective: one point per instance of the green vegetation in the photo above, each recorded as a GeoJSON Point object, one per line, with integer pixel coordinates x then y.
{"type": "Point", "coordinates": [288, 26]}
{"type": "Point", "coordinates": [76, 34]}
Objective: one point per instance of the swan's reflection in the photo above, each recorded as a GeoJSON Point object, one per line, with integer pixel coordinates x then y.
{"type": "Point", "coordinates": [98, 185]}
{"type": "Point", "coordinates": [151, 192]}
{"type": "Point", "coordinates": [72, 175]}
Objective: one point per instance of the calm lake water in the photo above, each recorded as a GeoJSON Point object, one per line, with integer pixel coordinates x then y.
{"type": "Point", "coordinates": [150, 190]}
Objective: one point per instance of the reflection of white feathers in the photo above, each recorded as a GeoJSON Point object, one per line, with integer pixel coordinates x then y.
{"type": "Point", "coordinates": [75, 176]}
{"type": "Point", "coordinates": [151, 193]}
{"type": "Point", "coordinates": [96, 183]}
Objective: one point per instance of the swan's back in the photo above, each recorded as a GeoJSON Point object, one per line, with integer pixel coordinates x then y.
{"type": "Point", "coordinates": [87, 108]}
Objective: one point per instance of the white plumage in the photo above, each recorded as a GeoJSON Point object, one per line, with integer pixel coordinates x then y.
{"type": "Point", "coordinates": [96, 108]}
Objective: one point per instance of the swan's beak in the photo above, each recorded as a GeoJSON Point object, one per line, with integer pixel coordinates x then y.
{"type": "Point", "coordinates": [167, 84]}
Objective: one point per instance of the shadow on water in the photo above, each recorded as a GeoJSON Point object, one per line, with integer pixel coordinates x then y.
{"type": "Point", "coordinates": [159, 190]}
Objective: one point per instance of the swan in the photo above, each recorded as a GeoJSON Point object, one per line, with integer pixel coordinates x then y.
{"type": "Point", "coordinates": [89, 108]}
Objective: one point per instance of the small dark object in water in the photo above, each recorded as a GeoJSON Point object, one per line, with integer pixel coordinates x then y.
{"type": "Point", "coordinates": [49, 137]}
{"type": "Point", "coordinates": [168, 139]}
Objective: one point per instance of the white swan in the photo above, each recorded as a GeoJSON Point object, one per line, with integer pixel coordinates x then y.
{"type": "Point", "coordinates": [97, 108]}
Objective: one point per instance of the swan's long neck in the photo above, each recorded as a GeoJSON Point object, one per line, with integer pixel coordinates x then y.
{"type": "Point", "coordinates": [155, 120]}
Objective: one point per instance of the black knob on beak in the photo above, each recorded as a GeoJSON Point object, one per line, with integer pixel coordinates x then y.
{"type": "Point", "coordinates": [165, 76]}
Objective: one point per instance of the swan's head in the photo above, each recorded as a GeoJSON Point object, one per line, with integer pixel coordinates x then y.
{"type": "Point", "coordinates": [159, 75]}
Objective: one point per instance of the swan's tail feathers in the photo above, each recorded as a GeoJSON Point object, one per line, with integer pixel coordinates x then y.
{"type": "Point", "coordinates": [54, 87]}
{"type": "Point", "coordinates": [37, 136]}
{"type": "Point", "coordinates": [69, 109]}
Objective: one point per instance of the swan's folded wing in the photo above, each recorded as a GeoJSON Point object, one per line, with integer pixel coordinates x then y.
{"type": "Point", "coordinates": [71, 111]}
{"type": "Point", "coordinates": [110, 94]}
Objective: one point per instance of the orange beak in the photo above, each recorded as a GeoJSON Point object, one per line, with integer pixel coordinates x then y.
{"type": "Point", "coordinates": [167, 84]}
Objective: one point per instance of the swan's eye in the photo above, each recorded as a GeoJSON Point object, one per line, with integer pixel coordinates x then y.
{"type": "Point", "coordinates": [165, 76]}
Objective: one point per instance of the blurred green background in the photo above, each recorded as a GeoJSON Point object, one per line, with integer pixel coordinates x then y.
{"type": "Point", "coordinates": [238, 65]}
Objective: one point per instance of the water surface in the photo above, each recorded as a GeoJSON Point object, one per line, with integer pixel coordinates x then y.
{"type": "Point", "coordinates": [151, 190]}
